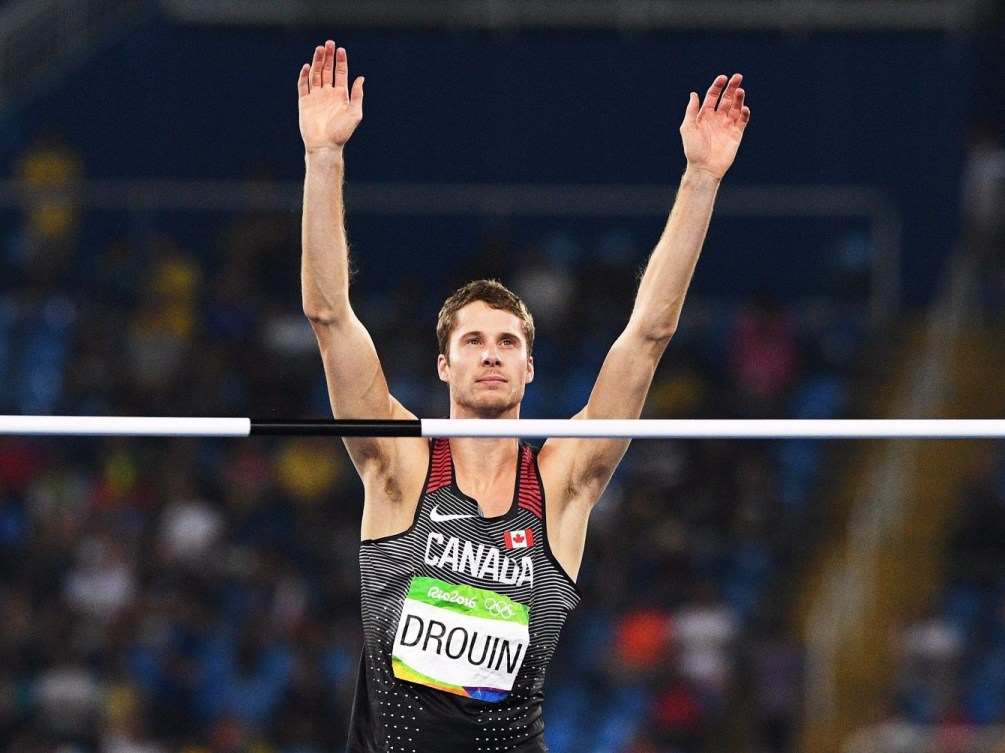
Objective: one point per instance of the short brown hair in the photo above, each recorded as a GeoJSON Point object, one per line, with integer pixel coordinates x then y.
{"type": "Point", "coordinates": [495, 295]}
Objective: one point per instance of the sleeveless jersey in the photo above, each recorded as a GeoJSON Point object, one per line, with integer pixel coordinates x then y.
{"type": "Point", "coordinates": [461, 615]}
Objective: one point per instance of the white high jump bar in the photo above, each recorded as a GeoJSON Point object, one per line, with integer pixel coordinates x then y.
{"type": "Point", "coordinates": [146, 426]}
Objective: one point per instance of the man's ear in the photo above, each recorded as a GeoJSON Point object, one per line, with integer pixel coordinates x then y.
{"type": "Point", "coordinates": [530, 369]}
{"type": "Point", "coordinates": [443, 368]}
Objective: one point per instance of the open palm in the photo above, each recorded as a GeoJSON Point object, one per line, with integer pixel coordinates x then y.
{"type": "Point", "coordinates": [712, 133]}
{"type": "Point", "coordinates": [328, 113]}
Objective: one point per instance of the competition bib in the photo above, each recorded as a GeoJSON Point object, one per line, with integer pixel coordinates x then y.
{"type": "Point", "coordinates": [460, 639]}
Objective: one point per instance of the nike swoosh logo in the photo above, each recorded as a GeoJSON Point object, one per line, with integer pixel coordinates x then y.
{"type": "Point", "coordinates": [438, 517]}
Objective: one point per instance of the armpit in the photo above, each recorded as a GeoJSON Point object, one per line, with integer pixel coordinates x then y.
{"type": "Point", "coordinates": [392, 490]}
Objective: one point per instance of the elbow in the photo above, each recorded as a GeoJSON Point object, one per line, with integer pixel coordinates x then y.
{"type": "Point", "coordinates": [318, 316]}
{"type": "Point", "coordinates": [324, 319]}
{"type": "Point", "coordinates": [657, 333]}
{"type": "Point", "coordinates": [656, 322]}
{"type": "Point", "coordinates": [661, 335]}
{"type": "Point", "coordinates": [322, 316]}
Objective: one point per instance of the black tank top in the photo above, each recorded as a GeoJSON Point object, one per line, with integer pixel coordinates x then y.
{"type": "Point", "coordinates": [461, 614]}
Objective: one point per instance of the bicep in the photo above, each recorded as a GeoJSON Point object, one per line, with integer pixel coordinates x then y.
{"type": "Point", "coordinates": [357, 387]}
{"type": "Point", "coordinates": [625, 377]}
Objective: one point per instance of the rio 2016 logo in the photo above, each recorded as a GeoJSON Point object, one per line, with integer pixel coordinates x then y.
{"type": "Point", "coordinates": [452, 596]}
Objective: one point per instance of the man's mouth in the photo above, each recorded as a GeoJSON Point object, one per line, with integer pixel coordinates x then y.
{"type": "Point", "coordinates": [491, 379]}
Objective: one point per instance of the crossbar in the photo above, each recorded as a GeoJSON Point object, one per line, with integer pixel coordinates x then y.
{"type": "Point", "coordinates": [527, 428]}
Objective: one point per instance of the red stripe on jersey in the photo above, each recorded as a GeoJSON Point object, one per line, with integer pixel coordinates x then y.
{"type": "Point", "coordinates": [530, 490]}
{"type": "Point", "coordinates": [441, 469]}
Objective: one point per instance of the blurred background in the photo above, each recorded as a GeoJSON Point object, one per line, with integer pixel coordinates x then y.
{"type": "Point", "coordinates": [163, 596]}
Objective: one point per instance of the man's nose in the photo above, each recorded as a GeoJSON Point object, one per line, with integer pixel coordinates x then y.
{"type": "Point", "coordinates": [491, 356]}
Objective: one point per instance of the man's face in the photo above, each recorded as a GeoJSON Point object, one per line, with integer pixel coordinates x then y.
{"type": "Point", "coordinates": [488, 366]}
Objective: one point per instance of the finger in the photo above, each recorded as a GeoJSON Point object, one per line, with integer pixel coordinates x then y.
{"type": "Point", "coordinates": [737, 104]}
{"type": "Point", "coordinates": [712, 96]}
{"type": "Point", "coordinates": [341, 69]}
{"type": "Point", "coordinates": [329, 64]}
{"type": "Point", "coordinates": [316, 63]}
{"type": "Point", "coordinates": [691, 113]}
{"type": "Point", "coordinates": [730, 94]}
{"type": "Point", "coordinates": [303, 85]}
{"type": "Point", "coordinates": [745, 116]}
{"type": "Point", "coordinates": [357, 92]}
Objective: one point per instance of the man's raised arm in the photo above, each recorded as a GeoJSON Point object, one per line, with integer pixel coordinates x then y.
{"type": "Point", "coordinates": [329, 113]}
{"type": "Point", "coordinates": [711, 134]}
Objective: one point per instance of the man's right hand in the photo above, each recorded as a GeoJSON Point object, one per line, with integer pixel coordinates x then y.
{"type": "Point", "coordinates": [328, 114]}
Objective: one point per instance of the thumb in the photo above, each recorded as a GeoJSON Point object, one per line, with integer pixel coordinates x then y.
{"type": "Point", "coordinates": [357, 91]}
{"type": "Point", "coordinates": [691, 114]}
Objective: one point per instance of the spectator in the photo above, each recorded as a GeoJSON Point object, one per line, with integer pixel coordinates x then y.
{"type": "Point", "coordinates": [50, 223]}
{"type": "Point", "coordinates": [764, 357]}
{"type": "Point", "coordinates": [930, 648]}
{"type": "Point", "coordinates": [68, 697]}
{"type": "Point", "coordinates": [103, 584]}
{"type": "Point", "coordinates": [777, 670]}
{"type": "Point", "coordinates": [706, 634]}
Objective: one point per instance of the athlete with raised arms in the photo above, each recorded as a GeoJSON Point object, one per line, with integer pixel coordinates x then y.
{"type": "Point", "coordinates": [471, 547]}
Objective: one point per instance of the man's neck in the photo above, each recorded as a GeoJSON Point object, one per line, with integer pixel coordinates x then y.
{"type": "Point", "coordinates": [483, 455]}
{"type": "Point", "coordinates": [483, 462]}
{"type": "Point", "coordinates": [486, 470]}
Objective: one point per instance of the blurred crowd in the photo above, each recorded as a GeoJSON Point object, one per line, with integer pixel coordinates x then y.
{"type": "Point", "coordinates": [983, 203]}
{"type": "Point", "coordinates": [952, 652]}
{"type": "Point", "coordinates": [201, 596]}
{"type": "Point", "coordinates": [948, 688]}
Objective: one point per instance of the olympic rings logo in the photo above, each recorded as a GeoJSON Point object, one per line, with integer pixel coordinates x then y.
{"type": "Point", "coordinates": [498, 608]}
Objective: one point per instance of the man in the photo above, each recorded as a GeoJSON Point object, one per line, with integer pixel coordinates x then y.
{"type": "Point", "coordinates": [471, 547]}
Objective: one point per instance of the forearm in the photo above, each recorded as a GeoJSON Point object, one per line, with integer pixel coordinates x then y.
{"type": "Point", "coordinates": [670, 268]}
{"type": "Point", "coordinates": [325, 255]}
